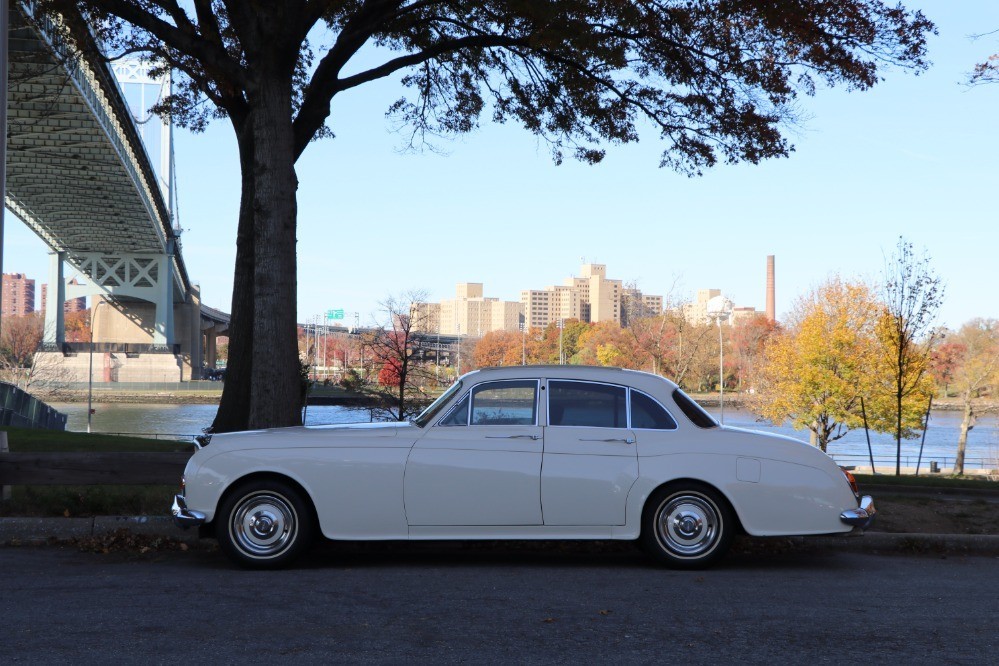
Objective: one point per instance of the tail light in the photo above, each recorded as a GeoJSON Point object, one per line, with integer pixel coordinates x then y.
{"type": "Point", "coordinates": [851, 480]}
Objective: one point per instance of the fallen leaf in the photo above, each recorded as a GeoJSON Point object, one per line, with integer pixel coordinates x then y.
{"type": "Point", "coordinates": [606, 612]}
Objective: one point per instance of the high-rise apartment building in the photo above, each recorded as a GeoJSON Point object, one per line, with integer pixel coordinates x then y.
{"type": "Point", "coordinates": [18, 294]}
{"type": "Point", "coordinates": [70, 305]}
{"type": "Point", "coordinates": [591, 297]}
{"type": "Point", "coordinates": [468, 313]}
{"type": "Point", "coordinates": [635, 304]}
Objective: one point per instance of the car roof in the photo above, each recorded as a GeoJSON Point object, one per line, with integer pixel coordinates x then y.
{"type": "Point", "coordinates": [593, 372]}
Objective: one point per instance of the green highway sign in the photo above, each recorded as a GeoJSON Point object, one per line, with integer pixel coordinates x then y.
{"type": "Point", "coordinates": [334, 314]}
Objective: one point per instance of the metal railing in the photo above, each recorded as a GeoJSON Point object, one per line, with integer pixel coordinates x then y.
{"type": "Point", "coordinates": [23, 410]}
{"type": "Point", "coordinates": [886, 463]}
{"type": "Point", "coordinates": [124, 387]}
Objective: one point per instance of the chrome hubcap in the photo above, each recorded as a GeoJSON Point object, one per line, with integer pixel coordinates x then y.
{"type": "Point", "coordinates": [688, 525]}
{"type": "Point", "coordinates": [263, 524]}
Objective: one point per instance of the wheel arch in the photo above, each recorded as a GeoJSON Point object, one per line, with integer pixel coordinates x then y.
{"type": "Point", "coordinates": [686, 482]}
{"type": "Point", "coordinates": [265, 476]}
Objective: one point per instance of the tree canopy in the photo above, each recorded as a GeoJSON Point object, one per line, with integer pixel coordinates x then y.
{"type": "Point", "coordinates": [716, 80]}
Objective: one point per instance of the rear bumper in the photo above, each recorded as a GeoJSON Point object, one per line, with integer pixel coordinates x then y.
{"type": "Point", "coordinates": [862, 516]}
{"type": "Point", "coordinates": [184, 517]}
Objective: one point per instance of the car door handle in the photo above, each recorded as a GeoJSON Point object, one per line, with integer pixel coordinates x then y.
{"type": "Point", "coordinates": [626, 440]}
{"type": "Point", "coordinates": [534, 437]}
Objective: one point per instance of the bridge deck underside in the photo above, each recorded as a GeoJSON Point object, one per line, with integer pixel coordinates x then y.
{"type": "Point", "coordinates": [66, 179]}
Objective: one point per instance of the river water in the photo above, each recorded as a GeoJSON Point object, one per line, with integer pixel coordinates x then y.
{"type": "Point", "coordinates": [940, 446]}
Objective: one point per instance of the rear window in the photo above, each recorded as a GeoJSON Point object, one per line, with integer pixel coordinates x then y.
{"type": "Point", "coordinates": [693, 411]}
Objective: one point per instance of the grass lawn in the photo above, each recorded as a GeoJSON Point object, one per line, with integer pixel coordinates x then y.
{"type": "Point", "coordinates": [29, 440]}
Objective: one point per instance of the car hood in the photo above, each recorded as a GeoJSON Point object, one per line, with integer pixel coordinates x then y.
{"type": "Point", "coordinates": [336, 435]}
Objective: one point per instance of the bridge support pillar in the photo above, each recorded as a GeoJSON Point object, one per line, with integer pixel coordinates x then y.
{"type": "Point", "coordinates": [211, 348]}
{"type": "Point", "coordinates": [163, 327]}
{"type": "Point", "coordinates": [54, 334]}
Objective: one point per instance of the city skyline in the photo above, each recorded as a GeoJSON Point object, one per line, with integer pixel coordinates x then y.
{"type": "Point", "coordinates": [906, 158]}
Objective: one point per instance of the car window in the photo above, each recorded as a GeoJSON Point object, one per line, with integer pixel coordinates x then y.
{"type": "Point", "coordinates": [648, 414]}
{"type": "Point", "coordinates": [587, 404]}
{"type": "Point", "coordinates": [505, 403]}
{"type": "Point", "coordinates": [428, 414]}
{"type": "Point", "coordinates": [458, 416]}
{"type": "Point", "coordinates": [693, 411]}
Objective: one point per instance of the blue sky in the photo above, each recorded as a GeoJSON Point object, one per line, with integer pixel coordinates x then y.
{"type": "Point", "coordinates": [915, 156]}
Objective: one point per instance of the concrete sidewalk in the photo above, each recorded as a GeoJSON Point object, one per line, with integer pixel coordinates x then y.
{"type": "Point", "coordinates": [40, 530]}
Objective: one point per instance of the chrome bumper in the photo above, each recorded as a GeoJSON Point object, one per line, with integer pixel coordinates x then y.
{"type": "Point", "coordinates": [862, 516]}
{"type": "Point", "coordinates": [184, 517]}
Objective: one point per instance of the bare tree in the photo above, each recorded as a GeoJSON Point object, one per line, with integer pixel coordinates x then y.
{"type": "Point", "coordinates": [22, 366]}
{"type": "Point", "coordinates": [912, 295]}
{"type": "Point", "coordinates": [402, 379]}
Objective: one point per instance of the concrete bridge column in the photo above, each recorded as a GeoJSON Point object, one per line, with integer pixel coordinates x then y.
{"type": "Point", "coordinates": [211, 348]}
{"type": "Point", "coordinates": [163, 327]}
{"type": "Point", "coordinates": [54, 334]}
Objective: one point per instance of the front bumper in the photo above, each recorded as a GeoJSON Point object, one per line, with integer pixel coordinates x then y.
{"type": "Point", "coordinates": [862, 516]}
{"type": "Point", "coordinates": [184, 517]}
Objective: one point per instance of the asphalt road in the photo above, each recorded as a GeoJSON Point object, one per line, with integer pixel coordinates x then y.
{"type": "Point", "coordinates": [449, 603]}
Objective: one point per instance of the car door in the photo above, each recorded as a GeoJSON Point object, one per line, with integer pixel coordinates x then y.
{"type": "Point", "coordinates": [590, 457]}
{"type": "Point", "coordinates": [480, 464]}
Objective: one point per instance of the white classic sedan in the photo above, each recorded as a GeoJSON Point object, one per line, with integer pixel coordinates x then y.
{"type": "Point", "coordinates": [530, 452]}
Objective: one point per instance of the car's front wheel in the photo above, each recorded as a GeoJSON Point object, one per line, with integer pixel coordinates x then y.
{"type": "Point", "coordinates": [687, 526]}
{"type": "Point", "coordinates": [264, 524]}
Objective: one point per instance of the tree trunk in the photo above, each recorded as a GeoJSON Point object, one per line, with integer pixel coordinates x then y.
{"type": "Point", "coordinates": [962, 438]}
{"type": "Point", "coordinates": [275, 395]}
{"type": "Point", "coordinates": [234, 407]}
{"type": "Point", "coordinates": [898, 431]}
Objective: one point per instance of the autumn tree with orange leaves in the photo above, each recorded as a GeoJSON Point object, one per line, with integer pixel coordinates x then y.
{"type": "Point", "coordinates": [817, 370]}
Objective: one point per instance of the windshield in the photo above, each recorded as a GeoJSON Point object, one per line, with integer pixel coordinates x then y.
{"type": "Point", "coordinates": [428, 414]}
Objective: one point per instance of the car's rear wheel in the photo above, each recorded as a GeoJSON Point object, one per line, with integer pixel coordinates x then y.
{"type": "Point", "coordinates": [687, 526]}
{"type": "Point", "coordinates": [264, 524]}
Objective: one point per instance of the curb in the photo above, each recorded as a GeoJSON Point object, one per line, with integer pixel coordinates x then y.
{"type": "Point", "coordinates": [872, 542]}
{"type": "Point", "coordinates": [28, 530]}
{"type": "Point", "coordinates": [43, 529]}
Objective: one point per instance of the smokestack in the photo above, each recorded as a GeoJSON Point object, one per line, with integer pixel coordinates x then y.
{"type": "Point", "coordinates": [771, 307]}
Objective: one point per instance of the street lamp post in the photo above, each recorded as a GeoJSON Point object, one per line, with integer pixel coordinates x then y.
{"type": "Point", "coordinates": [719, 308]}
{"type": "Point", "coordinates": [523, 335]}
{"type": "Point", "coordinates": [561, 354]}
